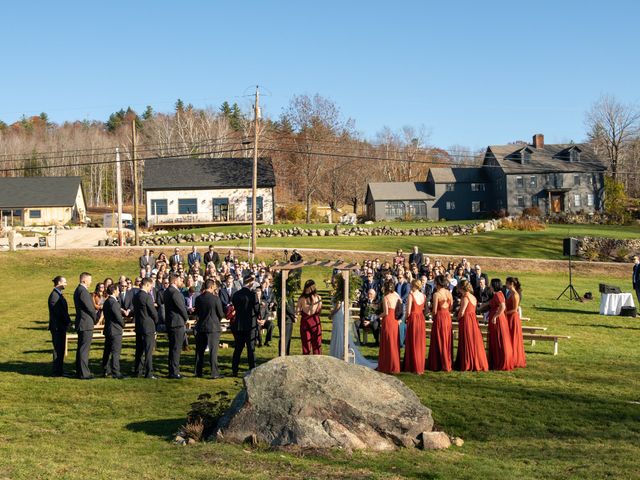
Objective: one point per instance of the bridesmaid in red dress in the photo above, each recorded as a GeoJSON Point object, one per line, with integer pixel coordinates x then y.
{"type": "Point", "coordinates": [389, 355]}
{"type": "Point", "coordinates": [441, 342]}
{"type": "Point", "coordinates": [415, 344]}
{"type": "Point", "coordinates": [310, 306]}
{"type": "Point", "coordinates": [514, 322]}
{"type": "Point", "coordinates": [499, 338]}
{"type": "Point", "coordinates": [471, 353]}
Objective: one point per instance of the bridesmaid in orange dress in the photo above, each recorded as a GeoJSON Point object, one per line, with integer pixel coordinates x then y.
{"type": "Point", "coordinates": [389, 354]}
{"type": "Point", "coordinates": [499, 338]}
{"type": "Point", "coordinates": [441, 342]}
{"type": "Point", "coordinates": [415, 345]}
{"type": "Point", "coordinates": [514, 322]}
{"type": "Point", "coordinates": [471, 353]}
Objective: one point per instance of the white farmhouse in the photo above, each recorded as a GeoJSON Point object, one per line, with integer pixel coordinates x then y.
{"type": "Point", "coordinates": [207, 191]}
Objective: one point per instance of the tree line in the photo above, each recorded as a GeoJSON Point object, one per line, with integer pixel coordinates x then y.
{"type": "Point", "coordinates": [317, 153]}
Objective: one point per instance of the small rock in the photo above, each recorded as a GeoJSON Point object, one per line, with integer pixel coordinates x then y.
{"type": "Point", "coordinates": [435, 440]}
{"type": "Point", "coordinates": [457, 441]}
{"type": "Point", "coordinates": [191, 441]}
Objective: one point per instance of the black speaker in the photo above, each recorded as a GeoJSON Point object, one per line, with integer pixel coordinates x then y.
{"type": "Point", "coordinates": [604, 288]}
{"type": "Point", "coordinates": [628, 312]}
{"type": "Point", "coordinates": [570, 247]}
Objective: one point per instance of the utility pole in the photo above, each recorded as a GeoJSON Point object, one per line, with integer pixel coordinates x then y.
{"type": "Point", "coordinates": [254, 185]}
{"type": "Point", "coordinates": [119, 195]}
{"type": "Point", "coordinates": [135, 180]}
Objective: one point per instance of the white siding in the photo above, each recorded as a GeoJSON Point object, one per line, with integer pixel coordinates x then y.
{"type": "Point", "coordinates": [237, 198]}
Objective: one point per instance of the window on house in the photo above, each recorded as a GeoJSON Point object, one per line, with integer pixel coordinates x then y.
{"type": "Point", "coordinates": [574, 155]}
{"type": "Point", "coordinates": [450, 187]}
{"type": "Point", "coordinates": [35, 213]}
{"type": "Point", "coordinates": [519, 182]}
{"type": "Point", "coordinates": [451, 205]}
{"type": "Point", "coordinates": [576, 200]}
{"type": "Point", "coordinates": [576, 180]}
{"type": "Point", "coordinates": [589, 199]}
{"type": "Point", "coordinates": [394, 209]}
{"type": "Point", "coordinates": [475, 207]}
{"type": "Point", "coordinates": [534, 201]}
{"type": "Point", "coordinates": [159, 207]}
{"type": "Point", "coordinates": [520, 200]}
{"type": "Point", "coordinates": [259, 209]}
{"type": "Point", "coordinates": [525, 157]}
{"type": "Point", "coordinates": [418, 209]}
{"type": "Point", "coordinates": [533, 181]}
{"type": "Point", "coordinates": [558, 180]}
{"type": "Point", "coordinates": [477, 187]}
{"type": "Point", "coordinates": [187, 206]}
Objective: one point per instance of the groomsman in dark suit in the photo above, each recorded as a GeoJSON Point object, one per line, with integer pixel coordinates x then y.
{"type": "Point", "coordinates": [59, 321]}
{"type": "Point", "coordinates": [247, 309]}
{"type": "Point", "coordinates": [194, 256]}
{"type": "Point", "coordinates": [85, 319]}
{"type": "Point", "coordinates": [211, 256]}
{"type": "Point", "coordinates": [113, 329]}
{"type": "Point", "coordinates": [226, 291]}
{"type": "Point", "coordinates": [415, 257]}
{"type": "Point", "coordinates": [636, 276]}
{"type": "Point", "coordinates": [146, 319]}
{"type": "Point", "coordinates": [209, 313]}
{"type": "Point", "coordinates": [176, 317]}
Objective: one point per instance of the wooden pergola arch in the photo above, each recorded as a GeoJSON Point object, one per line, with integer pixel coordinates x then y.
{"type": "Point", "coordinates": [344, 268]}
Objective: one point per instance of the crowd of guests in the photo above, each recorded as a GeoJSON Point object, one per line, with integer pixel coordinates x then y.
{"type": "Point", "coordinates": [397, 297]}
{"type": "Point", "coordinates": [172, 293]}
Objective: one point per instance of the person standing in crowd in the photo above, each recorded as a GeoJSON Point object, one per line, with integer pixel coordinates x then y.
{"type": "Point", "coordinates": [176, 318]}
{"type": "Point", "coordinates": [389, 353]}
{"type": "Point", "coordinates": [227, 291]}
{"type": "Point", "coordinates": [113, 329]}
{"type": "Point", "coordinates": [471, 353]}
{"type": "Point", "coordinates": [476, 275]}
{"type": "Point", "coordinates": [635, 278]}
{"type": "Point", "coordinates": [482, 292]}
{"type": "Point", "coordinates": [403, 289]}
{"type": "Point", "coordinates": [147, 260]}
{"type": "Point", "coordinates": [194, 257]}
{"type": "Point", "coordinates": [208, 309]}
{"type": "Point", "coordinates": [499, 338]}
{"type": "Point", "coordinates": [265, 298]}
{"type": "Point", "coordinates": [369, 316]}
{"type": "Point", "coordinates": [310, 306]}
{"type": "Point", "coordinates": [99, 298]}
{"type": "Point", "coordinates": [85, 320]}
{"type": "Point", "coordinates": [289, 320]}
{"type": "Point", "coordinates": [440, 345]}
{"type": "Point", "coordinates": [212, 256]}
{"type": "Point", "coordinates": [146, 320]}
{"type": "Point", "coordinates": [415, 257]}
{"type": "Point", "coordinates": [295, 256]}
{"type": "Point", "coordinates": [175, 259]}
{"type": "Point", "coordinates": [513, 320]}
{"type": "Point", "coordinates": [59, 321]}
{"type": "Point", "coordinates": [246, 308]}
{"type": "Point", "coordinates": [415, 347]}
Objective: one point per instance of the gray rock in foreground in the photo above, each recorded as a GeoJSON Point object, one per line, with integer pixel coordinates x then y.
{"type": "Point", "coordinates": [323, 402]}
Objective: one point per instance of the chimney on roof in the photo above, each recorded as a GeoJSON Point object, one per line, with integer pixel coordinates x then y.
{"type": "Point", "coordinates": [538, 140]}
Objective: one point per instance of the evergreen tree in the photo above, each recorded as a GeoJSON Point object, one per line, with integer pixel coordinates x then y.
{"type": "Point", "coordinates": [33, 166]}
{"type": "Point", "coordinates": [148, 113]}
{"type": "Point", "coordinates": [235, 118]}
{"type": "Point", "coordinates": [3, 126]}
{"type": "Point", "coordinates": [225, 109]}
{"type": "Point", "coordinates": [179, 106]}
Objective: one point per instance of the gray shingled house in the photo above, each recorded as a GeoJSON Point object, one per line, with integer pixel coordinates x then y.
{"type": "Point", "coordinates": [399, 200]}
{"type": "Point", "coordinates": [556, 178]}
{"type": "Point", "coordinates": [32, 201]}
{"type": "Point", "coordinates": [202, 191]}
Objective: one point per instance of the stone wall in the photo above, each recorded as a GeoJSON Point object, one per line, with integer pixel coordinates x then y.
{"type": "Point", "coordinates": [608, 249]}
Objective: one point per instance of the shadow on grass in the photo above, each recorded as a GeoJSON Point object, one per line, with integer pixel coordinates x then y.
{"type": "Point", "coordinates": [165, 428]}
{"type": "Point", "coordinates": [566, 310]}
{"type": "Point", "coordinates": [603, 325]}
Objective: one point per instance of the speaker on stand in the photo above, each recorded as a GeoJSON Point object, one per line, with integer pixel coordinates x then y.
{"type": "Point", "coordinates": [570, 249]}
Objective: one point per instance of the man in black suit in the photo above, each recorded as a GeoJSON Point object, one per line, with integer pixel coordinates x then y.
{"type": "Point", "coordinates": [113, 328]}
{"type": "Point", "coordinates": [85, 319]}
{"type": "Point", "coordinates": [209, 313]}
{"type": "Point", "coordinates": [415, 257]}
{"type": "Point", "coordinates": [176, 317]}
{"type": "Point", "coordinates": [475, 276]}
{"type": "Point", "coordinates": [369, 316]}
{"type": "Point", "coordinates": [211, 256]}
{"type": "Point", "coordinates": [175, 259]}
{"type": "Point", "coordinates": [59, 321]}
{"type": "Point", "coordinates": [295, 256]}
{"type": "Point", "coordinates": [227, 290]}
{"type": "Point", "coordinates": [289, 320]}
{"type": "Point", "coordinates": [147, 259]}
{"type": "Point", "coordinates": [247, 309]}
{"type": "Point", "coordinates": [194, 256]}
{"type": "Point", "coordinates": [635, 278]}
{"type": "Point", "coordinates": [146, 318]}
{"type": "Point", "coordinates": [267, 304]}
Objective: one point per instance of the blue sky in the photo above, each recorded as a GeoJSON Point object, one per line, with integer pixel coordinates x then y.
{"type": "Point", "coordinates": [472, 72]}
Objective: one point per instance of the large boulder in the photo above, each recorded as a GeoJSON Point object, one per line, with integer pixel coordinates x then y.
{"type": "Point", "coordinates": [322, 402]}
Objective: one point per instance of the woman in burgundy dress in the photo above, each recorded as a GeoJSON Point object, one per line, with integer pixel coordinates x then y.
{"type": "Point", "coordinates": [471, 353]}
{"type": "Point", "coordinates": [389, 355]}
{"type": "Point", "coordinates": [514, 322]}
{"type": "Point", "coordinates": [310, 306]}
{"type": "Point", "coordinates": [499, 338]}
{"type": "Point", "coordinates": [415, 345]}
{"type": "Point", "coordinates": [441, 343]}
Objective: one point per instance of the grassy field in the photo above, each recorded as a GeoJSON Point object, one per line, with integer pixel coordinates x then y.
{"type": "Point", "coordinates": [546, 244]}
{"type": "Point", "coordinates": [576, 415]}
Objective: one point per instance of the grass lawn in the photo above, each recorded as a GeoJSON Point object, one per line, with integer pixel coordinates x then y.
{"type": "Point", "coordinates": [546, 244]}
{"type": "Point", "coordinates": [575, 415]}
